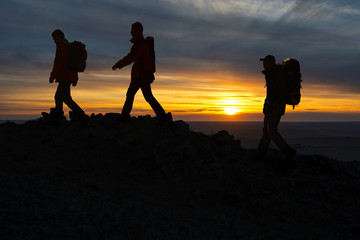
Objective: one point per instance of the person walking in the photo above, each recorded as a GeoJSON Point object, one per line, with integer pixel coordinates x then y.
{"type": "Point", "coordinates": [142, 55]}
{"type": "Point", "coordinates": [274, 109]}
{"type": "Point", "coordinates": [65, 77]}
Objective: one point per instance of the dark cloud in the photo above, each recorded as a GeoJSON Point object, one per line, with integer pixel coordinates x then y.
{"type": "Point", "coordinates": [323, 35]}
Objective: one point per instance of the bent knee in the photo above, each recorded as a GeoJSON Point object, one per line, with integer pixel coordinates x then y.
{"type": "Point", "coordinates": [58, 97]}
{"type": "Point", "coordinates": [272, 131]}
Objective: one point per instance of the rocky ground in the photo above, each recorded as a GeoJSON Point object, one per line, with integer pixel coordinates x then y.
{"type": "Point", "coordinates": [137, 180]}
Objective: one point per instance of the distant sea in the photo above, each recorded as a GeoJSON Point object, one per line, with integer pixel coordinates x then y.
{"type": "Point", "coordinates": [338, 140]}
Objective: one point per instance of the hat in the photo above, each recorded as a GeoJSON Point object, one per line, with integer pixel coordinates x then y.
{"type": "Point", "coordinates": [270, 58]}
{"type": "Point", "coordinates": [138, 26]}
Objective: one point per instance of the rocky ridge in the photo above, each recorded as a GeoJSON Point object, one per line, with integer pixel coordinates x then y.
{"type": "Point", "coordinates": [138, 180]}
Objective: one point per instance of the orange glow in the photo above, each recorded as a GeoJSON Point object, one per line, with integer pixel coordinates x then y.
{"type": "Point", "coordinates": [231, 110]}
{"type": "Point", "coordinates": [230, 106]}
{"type": "Point", "coordinates": [221, 95]}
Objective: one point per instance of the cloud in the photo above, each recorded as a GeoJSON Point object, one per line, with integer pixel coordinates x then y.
{"type": "Point", "coordinates": [323, 11]}
{"type": "Point", "coordinates": [191, 36]}
{"type": "Point", "coordinates": [248, 8]}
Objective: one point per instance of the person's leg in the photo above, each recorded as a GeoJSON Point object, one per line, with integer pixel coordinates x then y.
{"type": "Point", "coordinates": [265, 138]}
{"type": "Point", "coordinates": [155, 105]}
{"type": "Point", "coordinates": [130, 95]}
{"type": "Point", "coordinates": [59, 97]}
{"type": "Point", "coordinates": [273, 132]}
{"type": "Point", "coordinates": [69, 101]}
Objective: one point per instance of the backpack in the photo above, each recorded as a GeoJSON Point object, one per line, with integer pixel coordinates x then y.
{"type": "Point", "coordinates": [77, 56]}
{"type": "Point", "coordinates": [291, 68]}
{"type": "Point", "coordinates": [150, 60]}
{"type": "Point", "coordinates": [150, 43]}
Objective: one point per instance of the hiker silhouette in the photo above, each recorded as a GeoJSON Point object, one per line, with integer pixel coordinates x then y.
{"type": "Point", "coordinates": [274, 109]}
{"type": "Point", "coordinates": [62, 74]}
{"type": "Point", "coordinates": [142, 55]}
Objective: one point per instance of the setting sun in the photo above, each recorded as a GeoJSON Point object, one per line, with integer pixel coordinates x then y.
{"type": "Point", "coordinates": [230, 106]}
{"type": "Point", "coordinates": [231, 110]}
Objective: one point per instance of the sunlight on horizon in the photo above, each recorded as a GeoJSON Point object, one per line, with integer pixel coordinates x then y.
{"type": "Point", "coordinates": [230, 106]}
{"type": "Point", "coordinates": [211, 96]}
{"type": "Point", "coordinates": [231, 110]}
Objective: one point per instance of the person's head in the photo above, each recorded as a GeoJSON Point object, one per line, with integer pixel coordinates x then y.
{"type": "Point", "coordinates": [136, 30]}
{"type": "Point", "coordinates": [58, 35]}
{"type": "Point", "coordinates": [268, 61]}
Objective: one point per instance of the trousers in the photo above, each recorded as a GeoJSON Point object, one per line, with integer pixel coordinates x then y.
{"type": "Point", "coordinates": [149, 97]}
{"type": "Point", "coordinates": [270, 132]}
{"type": "Point", "coordinates": [62, 95]}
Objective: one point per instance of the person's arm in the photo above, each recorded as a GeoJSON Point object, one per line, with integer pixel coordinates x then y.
{"type": "Point", "coordinates": [128, 59]}
{"type": "Point", "coordinates": [59, 61]}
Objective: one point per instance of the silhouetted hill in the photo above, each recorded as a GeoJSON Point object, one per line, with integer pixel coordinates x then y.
{"type": "Point", "coordinates": [137, 180]}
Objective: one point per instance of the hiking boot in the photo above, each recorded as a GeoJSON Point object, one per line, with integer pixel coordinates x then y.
{"type": "Point", "coordinates": [165, 119]}
{"type": "Point", "coordinates": [55, 117]}
{"type": "Point", "coordinates": [79, 116]}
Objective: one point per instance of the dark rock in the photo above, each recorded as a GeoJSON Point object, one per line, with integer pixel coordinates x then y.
{"type": "Point", "coordinates": [180, 127]}
{"type": "Point", "coordinates": [139, 180]}
{"type": "Point", "coordinates": [112, 116]}
{"type": "Point", "coordinates": [45, 115]}
{"type": "Point", "coordinates": [48, 116]}
{"type": "Point", "coordinates": [223, 137]}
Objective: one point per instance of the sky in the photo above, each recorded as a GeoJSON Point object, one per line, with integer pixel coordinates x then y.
{"type": "Point", "coordinates": [207, 55]}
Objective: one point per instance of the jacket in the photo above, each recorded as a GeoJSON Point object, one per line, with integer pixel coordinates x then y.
{"type": "Point", "coordinates": [275, 83]}
{"type": "Point", "coordinates": [61, 71]}
{"type": "Point", "coordinates": [275, 89]}
{"type": "Point", "coordinates": [142, 68]}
